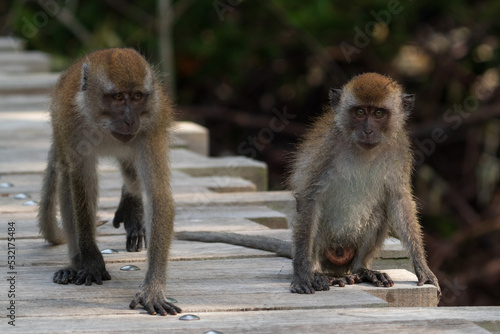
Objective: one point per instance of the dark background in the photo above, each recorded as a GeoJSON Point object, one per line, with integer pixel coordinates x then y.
{"type": "Point", "coordinates": [236, 64]}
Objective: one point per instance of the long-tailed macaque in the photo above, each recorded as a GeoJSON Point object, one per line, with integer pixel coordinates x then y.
{"type": "Point", "coordinates": [110, 103]}
{"type": "Point", "coordinates": [351, 181]}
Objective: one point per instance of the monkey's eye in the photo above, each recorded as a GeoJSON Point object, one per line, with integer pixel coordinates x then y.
{"type": "Point", "coordinates": [379, 113]}
{"type": "Point", "coordinates": [118, 96]}
{"type": "Point", "coordinates": [360, 112]}
{"type": "Point", "coordinates": [137, 96]}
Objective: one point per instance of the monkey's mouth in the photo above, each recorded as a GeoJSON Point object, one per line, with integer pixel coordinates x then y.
{"type": "Point", "coordinates": [367, 145]}
{"type": "Point", "coordinates": [124, 138]}
{"type": "Point", "coordinates": [339, 256]}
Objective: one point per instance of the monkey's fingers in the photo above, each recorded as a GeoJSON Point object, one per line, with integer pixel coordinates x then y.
{"type": "Point", "coordinates": [64, 276]}
{"type": "Point", "coordinates": [116, 222]}
{"type": "Point", "coordinates": [386, 280]}
{"type": "Point", "coordinates": [135, 239]}
{"type": "Point", "coordinates": [89, 277]}
{"type": "Point", "coordinates": [134, 243]}
{"type": "Point", "coordinates": [351, 279]}
{"type": "Point", "coordinates": [337, 281]}
{"type": "Point", "coordinates": [301, 287]}
{"type": "Point", "coordinates": [377, 278]}
{"type": "Point", "coordinates": [154, 306]}
{"type": "Point", "coordinates": [320, 282]}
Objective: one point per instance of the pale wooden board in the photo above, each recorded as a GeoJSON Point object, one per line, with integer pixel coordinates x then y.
{"type": "Point", "coordinates": [354, 320]}
{"type": "Point", "coordinates": [27, 226]}
{"type": "Point", "coordinates": [11, 43]}
{"type": "Point", "coordinates": [260, 214]}
{"type": "Point", "coordinates": [197, 165]}
{"type": "Point", "coordinates": [38, 252]}
{"type": "Point", "coordinates": [24, 102]}
{"type": "Point", "coordinates": [25, 152]}
{"type": "Point", "coordinates": [33, 160]}
{"type": "Point", "coordinates": [195, 135]}
{"type": "Point", "coordinates": [199, 286]}
{"type": "Point", "coordinates": [19, 64]}
{"type": "Point", "coordinates": [110, 184]}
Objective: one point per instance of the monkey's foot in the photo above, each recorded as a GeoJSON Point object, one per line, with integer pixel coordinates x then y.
{"type": "Point", "coordinates": [377, 278]}
{"type": "Point", "coordinates": [426, 276]}
{"type": "Point", "coordinates": [65, 276]}
{"type": "Point", "coordinates": [318, 282]}
{"type": "Point", "coordinates": [154, 302]}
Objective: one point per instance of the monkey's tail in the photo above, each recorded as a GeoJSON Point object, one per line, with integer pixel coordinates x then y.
{"type": "Point", "coordinates": [270, 244]}
{"type": "Point", "coordinates": [47, 220]}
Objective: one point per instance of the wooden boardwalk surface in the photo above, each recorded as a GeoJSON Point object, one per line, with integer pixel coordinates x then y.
{"type": "Point", "coordinates": [231, 289]}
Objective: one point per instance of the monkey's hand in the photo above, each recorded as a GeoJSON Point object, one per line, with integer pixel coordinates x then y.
{"type": "Point", "coordinates": [93, 271]}
{"type": "Point", "coordinates": [426, 276]}
{"type": "Point", "coordinates": [131, 216]}
{"type": "Point", "coordinates": [377, 278]}
{"type": "Point", "coordinates": [65, 276]}
{"type": "Point", "coordinates": [153, 300]}
{"type": "Point", "coordinates": [317, 282]}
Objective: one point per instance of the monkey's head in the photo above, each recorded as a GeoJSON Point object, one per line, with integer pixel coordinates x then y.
{"type": "Point", "coordinates": [370, 109]}
{"type": "Point", "coordinates": [116, 85]}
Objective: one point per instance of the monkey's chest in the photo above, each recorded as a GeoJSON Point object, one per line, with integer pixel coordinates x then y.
{"type": "Point", "coordinates": [351, 206]}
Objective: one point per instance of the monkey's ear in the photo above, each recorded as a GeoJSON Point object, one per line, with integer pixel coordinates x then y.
{"type": "Point", "coordinates": [334, 96]}
{"type": "Point", "coordinates": [408, 103]}
{"type": "Point", "coordinates": [85, 76]}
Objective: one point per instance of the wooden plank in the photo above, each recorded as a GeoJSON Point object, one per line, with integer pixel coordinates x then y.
{"type": "Point", "coordinates": [195, 135]}
{"type": "Point", "coordinates": [38, 252]}
{"type": "Point", "coordinates": [26, 224]}
{"type": "Point", "coordinates": [11, 43]}
{"type": "Point", "coordinates": [199, 286]}
{"type": "Point", "coordinates": [260, 214]}
{"type": "Point", "coordinates": [24, 102]}
{"type": "Point", "coordinates": [354, 320]}
{"type": "Point", "coordinates": [20, 63]}
{"type": "Point", "coordinates": [110, 185]}
{"type": "Point", "coordinates": [197, 165]}
{"type": "Point", "coordinates": [32, 83]}
{"type": "Point", "coordinates": [281, 201]}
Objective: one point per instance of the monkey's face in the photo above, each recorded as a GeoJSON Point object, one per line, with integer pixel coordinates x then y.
{"type": "Point", "coordinates": [124, 110]}
{"type": "Point", "coordinates": [368, 125]}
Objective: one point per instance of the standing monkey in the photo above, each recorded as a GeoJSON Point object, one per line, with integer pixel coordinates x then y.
{"type": "Point", "coordinates": [110, 103]}
{"type": "Point", "coordinates": [351, 180]}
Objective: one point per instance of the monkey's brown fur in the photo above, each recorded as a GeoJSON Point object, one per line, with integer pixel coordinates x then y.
{"type": "Point", "coordinates": [110, 103]}
{"type": "Point", "coordinates": [351, 180]}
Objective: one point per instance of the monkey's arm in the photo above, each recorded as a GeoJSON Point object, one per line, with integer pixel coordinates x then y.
{"type": "Point", "coordinates": [154, 174]}
{"type": "Point", "coordinates": [270, 244]}
{"type": "Point", "coordinates": [89, 262]}
{"type": "Point", "coordinates": [305, 280]}
{"type": "Point", "coordinates": [402, 214]}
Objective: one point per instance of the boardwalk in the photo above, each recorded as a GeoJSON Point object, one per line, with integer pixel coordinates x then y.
{"type": "Point", "coordinates": [231, 289]}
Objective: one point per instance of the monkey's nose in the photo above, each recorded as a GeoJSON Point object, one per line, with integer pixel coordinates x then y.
{"type": "Point", "coordinates": [368, 132]}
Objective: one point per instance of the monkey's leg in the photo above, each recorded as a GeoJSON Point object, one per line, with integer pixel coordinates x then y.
{"type": "Point", "coordinates": [374, 239]}
{"type": "Point", "coordinates": [47, 219]}
{"type": "Point", "coordinates": [68, 274]}
{"type": "Point", "coordinates": [83, 180]}
{"type": "Point", "coordinates": [305, 279]}
{"type": "Point", "coordinates": [130, 211]}
{"type": "Point", "coordinates": [154, 174]}
{"type": "Point", "coordinates": [402, 214]}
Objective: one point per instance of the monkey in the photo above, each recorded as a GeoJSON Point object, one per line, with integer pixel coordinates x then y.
{"type": "Point", "coordinates": [110, 103]}
{"type": "Point", "coordinates": [351, 179]}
